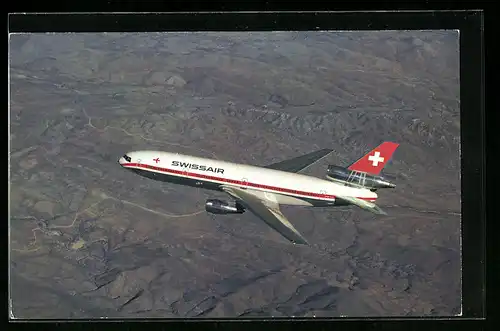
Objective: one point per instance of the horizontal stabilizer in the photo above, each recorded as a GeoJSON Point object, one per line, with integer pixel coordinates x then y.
{"type": "Point", "coordinates": [367, 205]}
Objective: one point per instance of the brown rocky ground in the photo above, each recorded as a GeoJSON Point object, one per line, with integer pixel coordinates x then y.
{"type": "Point", "coordinates": [89, 239]}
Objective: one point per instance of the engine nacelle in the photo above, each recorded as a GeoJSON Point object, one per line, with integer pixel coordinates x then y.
{"type": "Point", "coordinates": [355, 178]}
{"type": "Point", "coordinates": [215, 206]}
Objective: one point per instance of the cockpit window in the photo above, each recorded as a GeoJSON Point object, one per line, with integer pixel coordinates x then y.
{"type": "Point", "coordinates": [127, 158]}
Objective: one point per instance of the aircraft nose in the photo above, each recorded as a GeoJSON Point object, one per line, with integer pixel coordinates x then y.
{"type": "Point", "coordinates": [125, 159]}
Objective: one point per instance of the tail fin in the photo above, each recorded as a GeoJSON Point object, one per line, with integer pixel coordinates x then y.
{"type": "Point", "coordinates": [375, 161]}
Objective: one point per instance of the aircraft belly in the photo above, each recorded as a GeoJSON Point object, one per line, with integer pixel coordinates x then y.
{"type": "Point", "coordinates": [280, 198]}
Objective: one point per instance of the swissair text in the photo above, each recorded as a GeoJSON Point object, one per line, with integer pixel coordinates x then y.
{"type": "Point", "coordinates": [197, 167]}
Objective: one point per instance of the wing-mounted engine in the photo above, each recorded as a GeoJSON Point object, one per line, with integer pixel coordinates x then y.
{"type": "Point", "coordinates": [357, 178]}
{"type": "Point", "coordinates": [215, 206]}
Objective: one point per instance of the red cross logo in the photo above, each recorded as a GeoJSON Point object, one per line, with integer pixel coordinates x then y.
{"type": "Point", "coordinates": [376, 159]}
{"type": "Point", "coordinates": [157, 160]}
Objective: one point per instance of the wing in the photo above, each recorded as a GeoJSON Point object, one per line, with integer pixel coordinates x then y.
{"type": "Point", "coordinates": [301, 162]}
{"type": "Point", "coordinates": [268, 211]}
{"type": "Point", "coordinates": [370, 206]}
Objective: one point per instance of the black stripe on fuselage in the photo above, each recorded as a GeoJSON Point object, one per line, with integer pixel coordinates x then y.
{"type": "Point", "coordinates": [205, 184]}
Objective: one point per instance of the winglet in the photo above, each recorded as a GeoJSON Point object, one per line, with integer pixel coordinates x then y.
{"type": "Point", "coordinates": [375, 161]}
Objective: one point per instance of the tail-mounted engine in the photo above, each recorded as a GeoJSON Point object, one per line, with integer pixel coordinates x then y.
{"type": "Point", "coordinates": [215, 206]}
{"type": "Point", "coordinates": [356, 178]}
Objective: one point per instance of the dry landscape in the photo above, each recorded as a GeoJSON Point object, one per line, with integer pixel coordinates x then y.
{"type": "Point", "coordinates": [90, 239]}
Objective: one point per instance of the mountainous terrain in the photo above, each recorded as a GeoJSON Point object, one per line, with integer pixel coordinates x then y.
{"type": "Point", "coordinates": [90, 239]}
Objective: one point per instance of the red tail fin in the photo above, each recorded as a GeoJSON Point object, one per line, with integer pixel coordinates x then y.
{"type": "Point", "coordinates": [376, 160]}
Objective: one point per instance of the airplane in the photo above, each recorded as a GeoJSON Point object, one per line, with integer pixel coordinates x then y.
{"type": "Point", "coordinates": [262, 189]}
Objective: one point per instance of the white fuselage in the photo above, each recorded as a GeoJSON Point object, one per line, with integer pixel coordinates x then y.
{"type": "Point", "coordinates": [274, 185]}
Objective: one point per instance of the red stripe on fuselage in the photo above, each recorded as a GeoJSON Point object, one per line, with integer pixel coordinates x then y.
{"type": "Point", "coordinates": [234, 182]}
